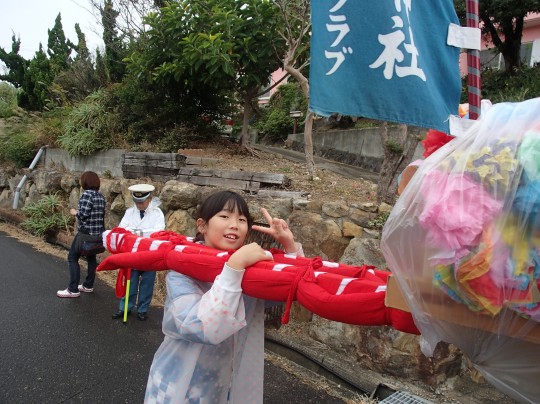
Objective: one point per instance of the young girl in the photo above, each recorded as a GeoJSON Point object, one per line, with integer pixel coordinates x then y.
{"type": "Point", "coordinates": [213, 348]}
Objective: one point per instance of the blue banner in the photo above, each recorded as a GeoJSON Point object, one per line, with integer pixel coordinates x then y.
{"type": "Point", "coordinates": [386, 60]}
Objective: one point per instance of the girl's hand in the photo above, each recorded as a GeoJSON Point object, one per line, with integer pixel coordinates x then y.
{"type": "Point", "coordinates": [248, 255]}
{"type": "Point", "coordinates": [73, 211]}
{"type": "Point", "coordinates": [279, 229]}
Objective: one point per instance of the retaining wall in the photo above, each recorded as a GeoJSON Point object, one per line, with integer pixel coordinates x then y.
{"type": "Point", "coordinates": [357, 147]}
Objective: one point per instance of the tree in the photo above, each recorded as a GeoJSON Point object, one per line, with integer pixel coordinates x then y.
{"type": "Point", "coordinates": [81, 48]}
{"type": "Point", "coordinates": [129, 15]}
{"type": "Point", "coordinates": [296, 27]}
{"type": "Point", "coordinates": [398, 152]}
{"type": "Point", "coordinates": [502, 22]}
{"type": "Point", "coordinates": [37, 79]}
{"type": "Point", "coordinates": [101, 69]}
{"type": "Point", "coordinates": [275, 120]}
{"type": "Point", "coordinates": [114, 48]}
{"type": "Point", "coordinates": [222, 44]}
{"type": "Point", "coordinates": [14, 62]}
{"type": "Point", "coordinates": [58, 48]}
{"type": "Point", "coordinates": [79, 80]}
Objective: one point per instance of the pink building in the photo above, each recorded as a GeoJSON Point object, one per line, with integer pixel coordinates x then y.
{"type": "Point", "coordinates": [276, 77]}
{"type": "Point", "coordinates": [530, 47]}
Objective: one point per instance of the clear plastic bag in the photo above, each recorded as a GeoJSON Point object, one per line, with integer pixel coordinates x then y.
{"type": "Point", "coordinates": [463, 242]}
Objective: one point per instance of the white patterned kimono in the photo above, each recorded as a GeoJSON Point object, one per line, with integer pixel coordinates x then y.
{"type": "Point", "coordinates": [213, 350]}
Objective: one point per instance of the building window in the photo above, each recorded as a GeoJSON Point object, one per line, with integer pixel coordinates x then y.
{"type": "Point", "coordinates": [266, 95]}
{"type": "Point", "coordinates": [491, 58]}
{"type": "Point", "coordinates": [526, 52]}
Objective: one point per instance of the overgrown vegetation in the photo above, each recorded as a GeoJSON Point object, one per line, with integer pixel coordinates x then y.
{"type": "Point", "coordinates": [379, 221]}
{"type": "Point", "coordinates": [8, 100]}
{"type": "Point", "coordinates": [19, 148]}
{"type": "Point", "coordinates": [89, 127]}
{"type": "Point", "coordinates": [394, 146]}
{"type": "Point", "coordinates": [48, 215]}
{"type": "Point", "coordinates": [499, 86]}
{"type": "Point", "coordinates": [163, 85]}
{"type": "Point", "coordinates": [19, 139]}
{"type": "Point", "coordinates": [275, 121]}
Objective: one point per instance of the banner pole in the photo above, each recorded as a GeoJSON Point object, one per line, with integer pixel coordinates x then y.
{"type": "Point", "coordinates": [474, 83]}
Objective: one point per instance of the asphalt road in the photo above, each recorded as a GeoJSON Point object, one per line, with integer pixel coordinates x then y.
{"type": "Point", "coordinates": [70, 350]}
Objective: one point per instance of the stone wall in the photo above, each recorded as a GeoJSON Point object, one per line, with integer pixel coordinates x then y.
{"type": "Point", "coordinates": [334, 231]}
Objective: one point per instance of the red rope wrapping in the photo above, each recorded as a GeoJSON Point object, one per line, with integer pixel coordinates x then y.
{"type": "Point", "coordinates": [307, 275]}
{"type": "Point", "coordinates": [123, 273]}
{"type": "Point", "coordinates": [338, 292]}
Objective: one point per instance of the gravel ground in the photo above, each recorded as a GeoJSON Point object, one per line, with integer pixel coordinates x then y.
{"type": "Point", "coordinates": [328, 186]}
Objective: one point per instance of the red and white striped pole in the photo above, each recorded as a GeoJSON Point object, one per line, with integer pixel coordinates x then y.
{"type": "Point", "coordinates": [474, 83]}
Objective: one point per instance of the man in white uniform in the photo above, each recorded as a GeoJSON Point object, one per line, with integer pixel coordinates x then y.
{"type": "Point", "coordinates": [143, 219]}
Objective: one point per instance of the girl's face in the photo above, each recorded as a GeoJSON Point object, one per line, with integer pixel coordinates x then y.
{"type": "Point", "coordinates": [225, 230]}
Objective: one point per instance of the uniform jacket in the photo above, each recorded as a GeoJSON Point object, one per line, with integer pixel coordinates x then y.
{"type": "Point", "coordinates": [153, 219]}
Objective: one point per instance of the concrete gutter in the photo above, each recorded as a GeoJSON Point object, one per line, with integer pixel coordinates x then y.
{"type": "Point", "coordinates": [325, 362]}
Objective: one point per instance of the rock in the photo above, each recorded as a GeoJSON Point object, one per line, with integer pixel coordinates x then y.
{"type": "Point", "coordinates": [362, 251]}
{"type": "Point", "coordinates": [47, 182]}
{"type": "Point", "coordinates": [361, 217]}
{"type": "Point", "coordinates": [118, 206]}
{"type": "Point", "coordinates": [335, 209]}
{"type": "Point", "coordinates": [179, 195]}
{"type": "Point", "coordinates": [368, 207]}
{"type": "Point", "coordinates": [68, 182]}
{"type": "Point", "coordinates": [351, 229]}
{"type": "Point", "coordinates": [385, 208]}
{"type": "Point", "coordinates": [182, 222]}
{"type": "Point", "coordinates": [281, 208]}
{"type": "Point", "coordinates": [74, 196]}
{"type": "Point", "coordinates": [320, 237]}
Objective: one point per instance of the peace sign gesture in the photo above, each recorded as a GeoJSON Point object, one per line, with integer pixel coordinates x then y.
{"type": "Point", "coordinates": [279, 229]}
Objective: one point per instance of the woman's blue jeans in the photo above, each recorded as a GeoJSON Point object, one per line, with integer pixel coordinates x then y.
{"type": "Point", "coordinates": [75, 268]}
{"type": "Point", "coordinates": [142, 282]}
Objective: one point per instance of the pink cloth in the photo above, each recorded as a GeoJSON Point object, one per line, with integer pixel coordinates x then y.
{"type": "Point", "coordinates": [456, 210]}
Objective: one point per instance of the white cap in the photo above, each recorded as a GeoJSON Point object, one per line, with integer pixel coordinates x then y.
{"type": "Point", "coordinates": [140, 192]}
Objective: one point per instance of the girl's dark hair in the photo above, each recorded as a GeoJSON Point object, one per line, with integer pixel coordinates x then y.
{"type": "Point", "coordinates": [219, 201]}
{"type": "Point", "coordinates": [90, 180]}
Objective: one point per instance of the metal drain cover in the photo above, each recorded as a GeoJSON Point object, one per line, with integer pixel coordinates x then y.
{"type": "Point", "coordinates": [402, 397]}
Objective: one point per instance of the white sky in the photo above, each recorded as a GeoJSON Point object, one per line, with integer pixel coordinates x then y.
{"type": "Point", "coordinates": [30, 20]}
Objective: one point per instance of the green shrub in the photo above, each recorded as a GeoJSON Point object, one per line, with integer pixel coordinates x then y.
{"type": "Point", "coordinates": [275, 121]}
{"type": "Point", "coordinates": [8, 100]}
{"type": "Point", "coordinates": [51, 126]}
{"type": "Point", "coordinates": [148, 111]}
{"type": "Point", "coordinates": [47, 215]}
{"type": "Point", "coordinates": [277, 125]}
{"type": "Point", "coordinates": [499, 86]}
{"type": "Point", "coordinates": [89, 126]}
{"type": "Point", "coordinates": [379, 221]}
{"type": "Point", "coordinates": [394, 146]}
{"type": "Point", "coordinates": [18, 148]}
{"type": "Point", "coordinates": [173, 139]}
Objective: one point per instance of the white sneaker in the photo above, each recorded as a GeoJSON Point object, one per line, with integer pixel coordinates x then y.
{"type": "Point", "coordinates": [67, 293]}
{"type": "Point", "coordinates": [84, 289]}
